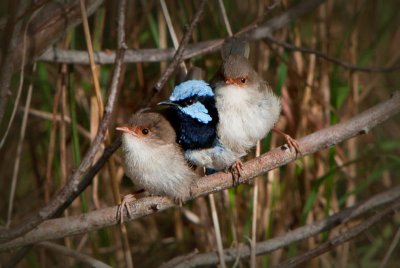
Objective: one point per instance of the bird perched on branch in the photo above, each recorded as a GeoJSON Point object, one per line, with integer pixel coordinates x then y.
{"type": "Point", "coordinates": [153, 160]}
{"type": "Point", "coordinates": [191, 110]}
{"type": "Point", "coordinates": [247, 107]}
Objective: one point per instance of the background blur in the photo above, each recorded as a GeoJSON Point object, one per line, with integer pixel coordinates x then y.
{"type": "Point", "coordinates": [315, 94]}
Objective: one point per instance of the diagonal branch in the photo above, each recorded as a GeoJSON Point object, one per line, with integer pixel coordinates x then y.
{"type": "Point", "coordinates": [208, 259]}
{"type": "Point", "coordinates": [341, 238]}
{"type": "Point", "coordinates": [178, 56]}
{"type": "Point", "coordinates": [312, 143]}
{"type": "Point", "coordinates": [53, 207]}
{"type": "Point", "coordinates": [48, 26]}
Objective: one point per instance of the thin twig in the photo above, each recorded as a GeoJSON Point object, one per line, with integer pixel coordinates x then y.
{"type": "Point", "coordinates": [52, 141]}
{"type": "Point", "coordinates": [58, 118]}
{"type": "Point", "coordinates": [340, 239]}
{"type": "Point", "coordinates": [301, 233]}
{"type": "Point", "coordinates": [87, 179]}
{"type": "Point", "coordinates": [90, 52]}
{"type": "Point", "coordinates": [111, 164]}
{"type": "Point", "coordinates": [169, 24]}
{"type": "Point", "coordinates": [18, 154]}
{"type": "Point", "coordinates": [178, 57]}
{"type": "Point", "coordinates": [91, 262]}
{"type": "Point", "coordinates": [225, 17]}
{"type": "Point", "coordinates": [21, 83]}
{"type": "Point", "coordinates": [392, 246]}
{"type": "Point", "coordinates": [7, 52]}
{"type": "Point", "coordinates": [253, 240]}
{"type": "Point", "coordinates": [312, 143]}
{"type": "Point", "coordinates": [171, 30]}
{"type": "Point", "coordinates": [217, 229]}
{"type": "Point", "coordinates": [70, 188]}
{"type": "Point", "coordinates": [345, 65]}
{"type": "Point", "coordinates": [214, 211]}
{"type": "Point", "coordinates": [201, 48]}
{"type": "Point", "coordinates": [48, 26]}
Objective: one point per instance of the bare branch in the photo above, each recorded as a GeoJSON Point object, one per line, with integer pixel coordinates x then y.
{"type": "Point", "coordinates": [53, 207]}
{"type": "Point", "coordinates": [312, 143]}
{"type": "Point", "coordinates": [47, 27]}
{"type": "Point", "coordinates": [179, 53]}
{"type": "Point", "coordinates": [256, 32]}
{"type": "Point", "coordinates": [340, 239]}
{"type": "Point", "coordinates": [346, 65]}
{"type": "Point", "coordinates": [207, 259]}
{"type": "Point", "coordinates": [91, 262]}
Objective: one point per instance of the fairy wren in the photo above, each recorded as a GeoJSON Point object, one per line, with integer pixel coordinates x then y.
{"type": "Point", "coordinates": [152, 158]}
{"type": "Point", "coordinates": [247, 107]}
{"type": "Point", "coordinates": [192, 111]}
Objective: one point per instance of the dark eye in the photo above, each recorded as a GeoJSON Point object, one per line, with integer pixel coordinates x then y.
{"type": "Point", "coordinates": [243, 80]}
{"type": "Point", "coordinates": [189, 102]}
{"type": "Point", "coordinates": [145, 131]}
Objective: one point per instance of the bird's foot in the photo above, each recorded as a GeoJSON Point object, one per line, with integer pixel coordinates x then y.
{"type": "Point", "coordinates": [292, 143]}
{"type": "Point", "coordinates": [236, 170]}
{"type": "Point", "coordinates": [124, 206]}
{"type": "Point", "coordinates": [178, 201]}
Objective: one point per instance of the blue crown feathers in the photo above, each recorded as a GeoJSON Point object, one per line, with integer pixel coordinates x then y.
{"type": "Point", "coordinates": [191, 88]}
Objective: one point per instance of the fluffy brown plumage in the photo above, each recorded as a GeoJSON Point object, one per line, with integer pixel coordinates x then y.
{"type": "Point", "coordinates": [152, 158]}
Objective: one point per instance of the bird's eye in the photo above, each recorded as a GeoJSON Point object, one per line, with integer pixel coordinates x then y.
{"type": "Point", "coordinates": [243, 80]}
{"type": "Point", "coordinates": [189, 102]}
{"type": "Point", "coordinates": [145, 131]}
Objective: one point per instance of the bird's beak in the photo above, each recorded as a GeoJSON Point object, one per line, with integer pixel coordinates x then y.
{"type": "Point", "coordinates": [126, 130]}
{"type": "Point", "coordinates": [229, 81]}
{"type": "Point", "coordinates": [167, 103]}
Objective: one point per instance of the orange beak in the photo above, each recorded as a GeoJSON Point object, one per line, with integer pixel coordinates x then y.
{"type": "Point", "coordinates": [229, 81]}
{"type": "Point", "coordinates": [126, 130]}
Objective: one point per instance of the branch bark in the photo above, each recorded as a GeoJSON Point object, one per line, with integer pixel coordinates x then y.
{"type": "Point", "coordinates": [360, 124]}
{"type": "Point", "coordinates": [178, 54]}
{"type": "Point", "coordinates": [340, 239]}
{"type": "Point", "coordinates": [62, 250]}
{"type": "Point", "coordinates": [383, 199]}
{"type": "Point", "coordinates": [48, 26]}
{"type": "Point", "coordinates": [53, 207]}
{"type": "Point", "coordinates": [201, 48]}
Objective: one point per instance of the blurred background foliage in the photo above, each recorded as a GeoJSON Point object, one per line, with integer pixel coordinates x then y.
{"type": "Point", "coordinates": [315, 94]}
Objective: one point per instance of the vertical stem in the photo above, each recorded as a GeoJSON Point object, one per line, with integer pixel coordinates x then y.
{"type": "Point", "coordinates": [19, 151]}
{"type": "Point", "coordinates": [254, 218]}
{"type": "Point", "coordinates": [218, 237]}
{"type": "Point", "coordinates": [89, 45]}
{"type": "Point", "coordinates": [225, 17]}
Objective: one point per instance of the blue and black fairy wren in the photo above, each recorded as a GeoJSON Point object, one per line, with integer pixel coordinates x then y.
{"type": "Point", "coordinates": [192, 111]}
{"type": "Point", "coordinates": [152, 158]}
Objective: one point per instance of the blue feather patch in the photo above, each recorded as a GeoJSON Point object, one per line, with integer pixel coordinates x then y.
{"type": "Point", "coordinates": [197, 111]}
{"type": "Point", "coordinates": [190, 88]}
